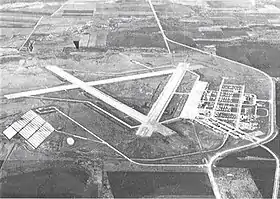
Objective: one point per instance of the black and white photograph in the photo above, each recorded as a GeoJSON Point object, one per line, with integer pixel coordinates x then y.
{"type": "Point", "coordinates": [140, 99]}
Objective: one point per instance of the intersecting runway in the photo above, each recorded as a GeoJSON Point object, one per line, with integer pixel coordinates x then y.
{"type": "Point", "coordinates": [143, 119]}
{"type": "Point", "coordinates": [92, 83]}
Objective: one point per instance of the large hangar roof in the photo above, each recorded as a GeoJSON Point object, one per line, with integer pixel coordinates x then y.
{"type": "Point", "coordinates": [190, 109]}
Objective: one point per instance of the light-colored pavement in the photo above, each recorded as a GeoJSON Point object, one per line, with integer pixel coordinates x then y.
{"type": "Point", "coordinates": [263, 140]}
{"type": "Point", "coordinates": [154, 115]}
{"type": "Point", "coordinates": [57, 12]}
{"type": "Point", "coordinates": [28, 37]}
{"type": "Point", "coordinates": [160, 27]}
{"type": "Point", "coordinates": [213, 159]}
{"type": "Point", "coordinates": [218, 97]}
{"type": "Point", "coordinates": [92, 83]}
{"type": "Point", "coordinates": [89, 103]}
{"type": "Point", "coordinates": [221, 154]}
{"type": "Point", "coordinates": [139, 159]}
{"type": "Point", "coordinates": [143, 119]}
{"type": "Point", "coordinates": [202, 166]}
{"type": "Point", "coordinates": [140, 64]}
{"type": "Point", "coordinates": [99, 94]}
{"type": "Point", "coordinates": [190, 109]}
{"type": "Point", "coordinates": [164, 98]}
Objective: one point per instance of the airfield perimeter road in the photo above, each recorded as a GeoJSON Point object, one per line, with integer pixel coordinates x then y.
{"type": "Point", "coordinates": [140, 117]}
{"type": "Point", "coordinates": [90, 104]}
{"type": "Point", "coordinates": [218, 155]}
{"type": "Point", "coordinates": [269, 136]}
{"type": "Point", "coordinates": [200, 167]}
{"type": "Point", "coordinates": [122, 122]}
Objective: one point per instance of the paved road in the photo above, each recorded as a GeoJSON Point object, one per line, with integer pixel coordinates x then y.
{"type": "Point", "coordinates": [160, 27]}
{"type": "Point", "coordinates": [100, 140]}
{"type": "Point", "coordinates": [212, 160]}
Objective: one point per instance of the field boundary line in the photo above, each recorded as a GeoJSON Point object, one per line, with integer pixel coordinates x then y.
{"type": "Point", "coordinates": [38, 22]}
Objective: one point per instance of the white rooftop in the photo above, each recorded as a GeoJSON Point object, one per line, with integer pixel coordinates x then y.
{"type": "Point", "coordinates": [190, 110]}
{"type": "Point", "coordinates": [10, 132]}
{"type": "Point", "coordinates": [31, 127]}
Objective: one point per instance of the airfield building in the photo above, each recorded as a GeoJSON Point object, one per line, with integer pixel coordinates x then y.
{"type": "Point", "coordinates": [190, 110]}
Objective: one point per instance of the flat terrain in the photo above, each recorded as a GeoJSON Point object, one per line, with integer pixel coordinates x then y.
{"type": "Point", "coordinates": [125, 185]}
{"type": "Point", "coordinates": [117, 40]}
{"type": "Point", "coordinates": [100, 57]}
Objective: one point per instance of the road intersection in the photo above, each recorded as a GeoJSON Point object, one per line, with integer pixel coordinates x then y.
{"type": "Point", "coordinates": [261, 141]}
{"type": "Point", "coordinates": [153, 117]}
{"type": "Point", "coordinates": [208, 165]}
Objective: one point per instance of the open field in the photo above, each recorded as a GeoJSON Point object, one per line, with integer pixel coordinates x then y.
{"type": "Point", "coordinates": [18, 78]}
{"type": "Point", "coordinates": [239, 184]}
{"type": "Point", "coordinates": [53, 45]}
{"type": "Point", "coordinates": [35, 174]}
{"type": "Point", "coordinates": [175, 107]}
{"type": "Point", "coordinates": [209, 139]}
{"type": "Point", "coordinates": [262, 56]}
{"type": "Point", "coordinates": [55, 182]}
{"type": "Point", "coordinates": [187, 83]}
{"type": "Point", "coordinates": [113, 132]}
{"type": "Point", "coordinates": [125, 139]}
{"type": "Point", "coordinates": [139, 94]}
{"type": "Point", "coordinates": [153, 185]}
{"type": "Point", "coordinates": [18, 19]}
{"type": "Point", "coordinates": [117, 40]}
{"type": "Point", "coordinates": [216, 68]}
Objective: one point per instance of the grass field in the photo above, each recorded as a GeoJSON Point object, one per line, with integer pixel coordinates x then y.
{"type": "Point", "coordinates": [209, 139]}
{"type": "Point", "coordinates": [139, 94]}
{"type": "Point", "coordinates": [156, 184]}
{"type": "Point", "coordinates": [262, 56]}
{"type": "Point", "coordinates": [57, 181]}
{"type": "Point", "coordinates": [116, 40]}
{"type": "Point", "coordinates": [216, 68]}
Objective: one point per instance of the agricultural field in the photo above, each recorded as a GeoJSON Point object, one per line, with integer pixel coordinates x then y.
{"type": "Point", "coordinates": [18, 19]}
{"type": "Point", "coordinates": [216, 68]}
{"type": "Point", "coordinates": [102, 36]}
{"type": "Point", "coordinates": [29, 76]}
{"type": "Point", "coordinates": [114, 47]}
{"type": "Point", "coordinates": [261, 56]}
